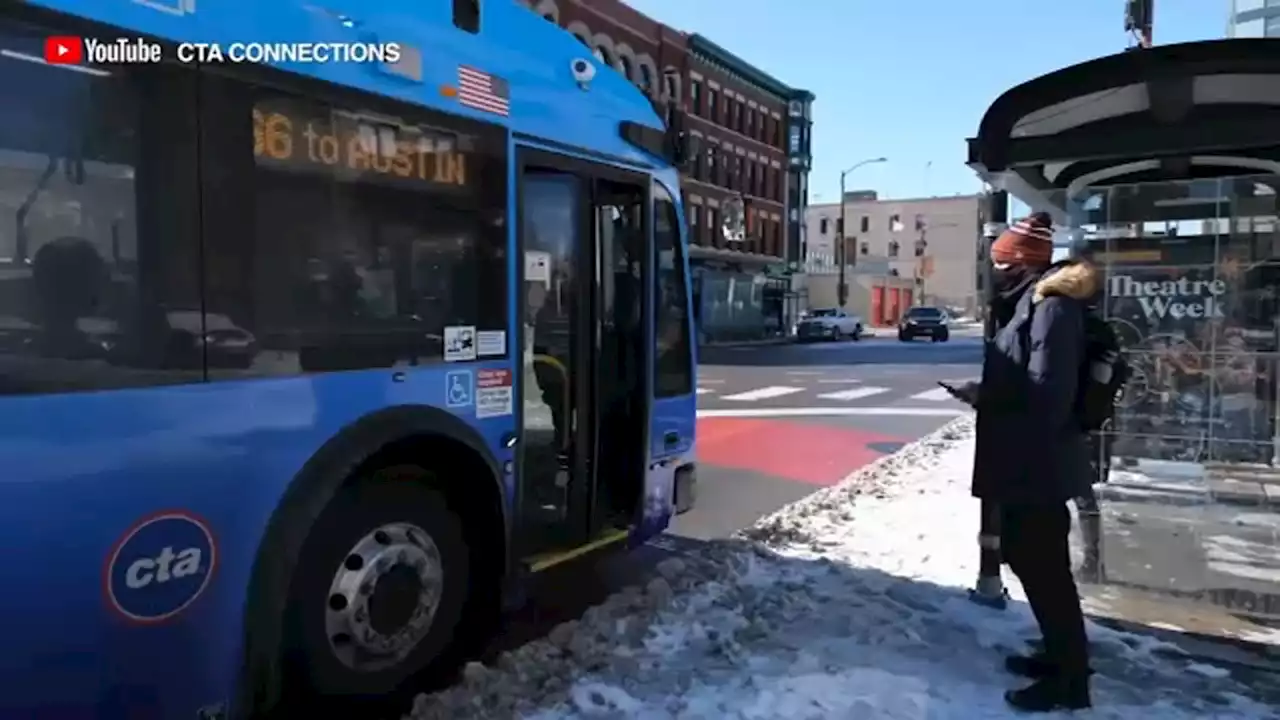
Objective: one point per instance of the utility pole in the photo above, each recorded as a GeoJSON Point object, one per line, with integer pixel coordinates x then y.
{"type": "Point", "coordinates": [990, 590]}
{"type": "Point", "coordinates": [842, 289]}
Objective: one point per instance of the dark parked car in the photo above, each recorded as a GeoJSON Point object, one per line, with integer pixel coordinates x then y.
{"type": "Point", "coordinates": [930, 322]}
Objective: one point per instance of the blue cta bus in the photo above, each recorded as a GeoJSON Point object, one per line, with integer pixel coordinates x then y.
{"type": "Point", "coordinates": [306, 366]}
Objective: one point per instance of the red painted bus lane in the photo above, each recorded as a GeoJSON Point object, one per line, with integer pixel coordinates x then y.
{"type": "Point", "coordinates": [808, 453]}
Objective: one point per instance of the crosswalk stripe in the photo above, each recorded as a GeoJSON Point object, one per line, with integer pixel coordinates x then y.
{"type": "Point", "coordinates": [853, 394]}
{"type": "Point", "coordinates": [703, 391]}
{"type": "Point", "coordinates": [934, 395]}
{"type": "Point", "coordinates": [763, 393]}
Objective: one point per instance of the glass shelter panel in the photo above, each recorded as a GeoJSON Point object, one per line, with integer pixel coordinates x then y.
{"type": "Point", "coordinates": [1191, 274]}
{"type": "Point", "coordinates": [1190, 505]}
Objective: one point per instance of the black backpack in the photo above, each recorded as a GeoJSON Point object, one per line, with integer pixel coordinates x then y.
{"type": "Point", "coordinates": [1103, 373]}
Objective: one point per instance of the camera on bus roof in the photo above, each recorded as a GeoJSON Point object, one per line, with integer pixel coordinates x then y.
{"type": "Point", "coordinates": [584, 71]}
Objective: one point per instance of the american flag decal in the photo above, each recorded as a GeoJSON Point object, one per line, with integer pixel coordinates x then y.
{"type": "Point", "coordinates": [480, 90]}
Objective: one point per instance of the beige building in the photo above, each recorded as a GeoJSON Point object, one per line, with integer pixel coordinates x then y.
{"type": "Point", "coordinates": [933, 242]}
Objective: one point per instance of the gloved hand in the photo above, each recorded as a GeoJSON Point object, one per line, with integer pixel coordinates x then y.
{"type": "Point", "coordinates": [968, 393]}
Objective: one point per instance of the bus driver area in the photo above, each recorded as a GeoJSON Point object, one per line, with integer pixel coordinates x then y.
{"type": "Point", "coordinates": [336, 355]}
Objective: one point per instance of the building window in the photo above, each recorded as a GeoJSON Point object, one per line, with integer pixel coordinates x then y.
{"type": "Point", "coordinates": [603, 55]}
{"type": "Point", "coordinates": [895, 223]}
{"type": "Point", "coordinates": [737, 174]}
{"type": "Point", "coordinates": [695, 97]}
{"type": "Point", "coordinates": [713, 224]}
{"type": "Point", "coordinates": [625, 67]}
{"type": "Point", "coordinates": [822, 226]}
{"type": "Point", "coordinates": [751, 123]}
{"type": "Point", "coordinates": [708, 170]}
{"type": "Point", "coordinates": [713, 106]}
{"type": "Point", "coordinates": [864, 248]}
{"type": "Point", "coordinates": [794, 147]}
{"type": "Point", "coordinates": [695, 214]}
{"type": "Point", "coordinates": [866, 223]}
{"type": "Point", "coordinates": [893, 248]}
{"type": "Point", "coordinates": [737, 115]}
{"type": "Point", "coordinates": [673, 367]}
{"type": "Point", "coordinates": [669, 85]}
{"type": "Point", "coordinates": [646, 78]}
{"type": "Point", "coordinates": [751, 178]}
{"type": "Point", "coordinates": [920, 223]}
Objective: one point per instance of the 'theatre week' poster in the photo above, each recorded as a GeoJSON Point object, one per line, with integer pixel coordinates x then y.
{"type": "Point", "coordinates": [1198, 318]}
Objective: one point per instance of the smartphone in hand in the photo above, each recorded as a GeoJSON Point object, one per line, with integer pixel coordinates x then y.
{"type": "Point", "coordinates": [967, 394]}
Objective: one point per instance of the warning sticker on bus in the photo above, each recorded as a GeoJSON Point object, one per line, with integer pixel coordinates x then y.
{"type": "Point", "coordinates": [494, 393]}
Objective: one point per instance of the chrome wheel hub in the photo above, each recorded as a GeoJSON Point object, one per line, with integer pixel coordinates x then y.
{"type": "Point", "coordinates": [383, 597]}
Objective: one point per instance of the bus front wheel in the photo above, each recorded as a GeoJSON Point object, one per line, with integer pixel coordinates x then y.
{"type": "Point", "coordinates": [380, 589]}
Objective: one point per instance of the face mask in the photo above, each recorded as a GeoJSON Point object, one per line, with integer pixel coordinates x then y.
{"type": "Point", "coordinates": [1006, 277]}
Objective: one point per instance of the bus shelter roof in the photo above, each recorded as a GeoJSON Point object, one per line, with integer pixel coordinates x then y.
{"type": "Point", "coordinates": [1176, 112]}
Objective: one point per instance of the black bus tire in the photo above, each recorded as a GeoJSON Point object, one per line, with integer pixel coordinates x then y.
{"type": "Point", "coordinates": [355, 512]}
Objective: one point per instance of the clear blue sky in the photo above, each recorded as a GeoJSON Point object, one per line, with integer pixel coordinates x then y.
{"type": "Point", "coordinates": [910, 79]}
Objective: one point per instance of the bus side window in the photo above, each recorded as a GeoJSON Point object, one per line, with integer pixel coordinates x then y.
{"type": "Point", "coordinates": [673, 368]}
{"type": "Point", "coordinates": [99, 246]}
{"type": "Point", "coordinates": [348, 238]}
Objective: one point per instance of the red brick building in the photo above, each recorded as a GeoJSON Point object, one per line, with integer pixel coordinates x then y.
{"type": "Point", "coordinates": [753, 133]}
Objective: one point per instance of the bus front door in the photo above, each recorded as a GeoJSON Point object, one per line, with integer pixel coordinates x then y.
{"type": "Point", "coordinates": [584, 412]}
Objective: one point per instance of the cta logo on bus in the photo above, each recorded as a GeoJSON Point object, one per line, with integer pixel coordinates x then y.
{"type": "Point", "coordinates": [160, 566]}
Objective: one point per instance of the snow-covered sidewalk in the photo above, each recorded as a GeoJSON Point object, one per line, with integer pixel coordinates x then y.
{"type": "Point", "coordinates": [849, 604]}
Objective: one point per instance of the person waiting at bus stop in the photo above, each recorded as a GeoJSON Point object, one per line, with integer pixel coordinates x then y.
{"type": "Point", "coordinates": [1031, 455]}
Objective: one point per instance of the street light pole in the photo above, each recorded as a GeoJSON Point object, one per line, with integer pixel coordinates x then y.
{"type": "Point", "coordinates": [842, 290]}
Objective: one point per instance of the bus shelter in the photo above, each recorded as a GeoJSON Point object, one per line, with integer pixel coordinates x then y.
{"type": "Point", "coordinates": [1163, 165]}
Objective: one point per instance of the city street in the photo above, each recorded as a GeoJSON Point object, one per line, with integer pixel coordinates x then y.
{"type": "Point", "coordinates": [777, 422]}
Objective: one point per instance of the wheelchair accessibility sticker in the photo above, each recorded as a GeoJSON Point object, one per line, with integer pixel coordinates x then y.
{"type": "Point", "coordinates": [459, 389]}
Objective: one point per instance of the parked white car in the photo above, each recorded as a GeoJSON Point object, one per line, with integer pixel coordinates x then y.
{"type": "Point", "coordinates": [828, 324]}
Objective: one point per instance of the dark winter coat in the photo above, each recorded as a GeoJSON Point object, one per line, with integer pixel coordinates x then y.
{"type": "Point", "coordinates": [1030, 449]}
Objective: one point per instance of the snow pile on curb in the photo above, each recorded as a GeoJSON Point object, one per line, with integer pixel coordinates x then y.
{"type": "Point", "coordinates": [850, 603]}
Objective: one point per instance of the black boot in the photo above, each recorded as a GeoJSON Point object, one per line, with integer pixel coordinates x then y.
{"type": "Point", "coordinates": [1048, 694]}
{"type": "Point", "coordinates": [1034, 666]}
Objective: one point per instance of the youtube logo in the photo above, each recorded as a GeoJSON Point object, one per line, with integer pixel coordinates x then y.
{"type": "Point", "coordinates": [63, 50]}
